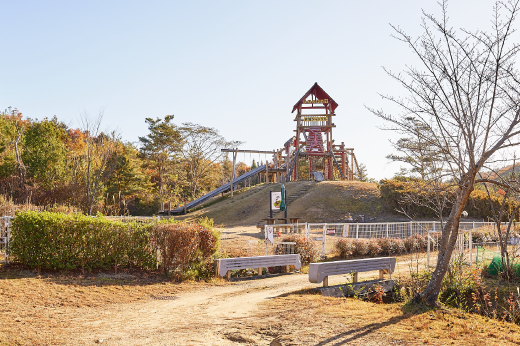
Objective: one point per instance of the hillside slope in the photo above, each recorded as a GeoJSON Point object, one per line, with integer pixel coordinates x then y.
{"type": "Point", "coordinates": [328, 201]}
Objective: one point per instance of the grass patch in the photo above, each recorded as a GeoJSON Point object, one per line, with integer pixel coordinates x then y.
{"type": "Point", "coordinates": [306, 319]}
{"type": "Point", "coordinates": [32, 304]}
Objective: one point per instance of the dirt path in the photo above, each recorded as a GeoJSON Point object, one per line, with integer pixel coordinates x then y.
{"type": "Point", "coordinates": [202, 317]}
{"type": "Point", "coordinates": [215, 315]}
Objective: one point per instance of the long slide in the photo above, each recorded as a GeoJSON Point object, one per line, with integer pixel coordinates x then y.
{"type": "Point", "coordinates": [221, 189]}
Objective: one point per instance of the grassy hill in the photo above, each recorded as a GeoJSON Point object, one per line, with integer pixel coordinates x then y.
{"type": "Point", "coordinates": [328, 201]}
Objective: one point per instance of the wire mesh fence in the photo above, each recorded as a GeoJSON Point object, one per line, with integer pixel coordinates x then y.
{"type": "Point", "coordinates": [5, 234]}
{"type": "Point", "coordinates": [325, 236]}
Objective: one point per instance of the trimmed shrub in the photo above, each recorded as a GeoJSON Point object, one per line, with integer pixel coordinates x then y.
{"type": "Point", "coordinates": [360, 248]}
{"type": "Point", "coordinates": [46, 240]}
{"type": "Point", "coordinates": [307, 250]}
{"type": "Point", "coordinates": [345, 247]}
{"type": "Point", "coordinates": [186, 249]}
{"type": "Point", "coordinates": [373, 247]}
{"type": "Point", "coordinates": [348, 248]}
{"type": "Point", "coordinates": [391, 246]}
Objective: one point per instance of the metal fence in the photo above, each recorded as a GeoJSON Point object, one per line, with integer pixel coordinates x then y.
{"type": "Point", "coordinates": [326, 234]}
{"type": "Point", "coordinates": [5, 234]}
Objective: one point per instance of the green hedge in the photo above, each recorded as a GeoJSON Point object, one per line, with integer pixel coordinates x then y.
{"type": "Point", "coordinates": [46, 240]}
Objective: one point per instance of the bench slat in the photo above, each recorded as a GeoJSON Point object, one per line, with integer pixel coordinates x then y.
{"type": "Point", "coordinates": [226, 264]}
{"type": "Point", "coordinates": [319, 271]}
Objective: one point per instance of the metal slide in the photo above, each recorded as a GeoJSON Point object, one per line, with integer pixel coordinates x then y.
{"type": "Point", "coordinates": [221, 189]}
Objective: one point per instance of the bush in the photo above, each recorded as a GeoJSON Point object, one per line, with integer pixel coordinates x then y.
{"type": "Point", "coordinates": [46, 240]}
{"type": "Point", "coordinates": [348, 248]}
{"type": "Point", "coordinates": [360, 248]}
{"type": "Point", "coordinates": [345, 247]}
{"type": "Point", "coordinates": [393, 192]}
{"type": "Point", "coordinates": [307, 250]}
{"type": "Point", "coordinates": [391, 246]}
{"type": "Point", "coordinates": [186, 249]}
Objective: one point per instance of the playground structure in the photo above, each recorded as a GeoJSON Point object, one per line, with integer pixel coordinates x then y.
{"type": "Point", "coordinates": [317, 149]}
{"type": "Point", "coordinates": [309, 155]}
{"type": "Point", "coordinates": [312, 152]}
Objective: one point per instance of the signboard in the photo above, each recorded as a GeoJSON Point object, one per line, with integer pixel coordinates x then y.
{"type": "Point", "coordinates": [269, 236]}
{"type": "Point", "coordinates": [276, 200]}
{"type": "Point", "coordinates": [314, 118]}
{"type": "Point", "coordinates": [324, 101]}
{"type": "Point", "coordinates": [331, 231]}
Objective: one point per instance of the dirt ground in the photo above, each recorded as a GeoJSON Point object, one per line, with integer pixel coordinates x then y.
{"type": "Point", "coordinates": [137, 309]}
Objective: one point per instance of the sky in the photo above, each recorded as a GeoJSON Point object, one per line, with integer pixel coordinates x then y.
{"type": "Point", "coordinates": [237, 66]}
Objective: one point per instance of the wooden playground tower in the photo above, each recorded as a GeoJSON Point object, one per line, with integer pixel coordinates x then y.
{"type": "Point", "coordinates": [314, 142]}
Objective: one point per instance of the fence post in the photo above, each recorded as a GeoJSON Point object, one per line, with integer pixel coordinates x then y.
{"type": "Point", "coordinates": [387, 229]}
{"type": "Point", "coordinates": [411, 228]}
{"type": "Point", "coordinates": [428, 250]}
{"type": "Point", "coordinates": [306, 230]}
{"type": "Point", "coordinates": [357, 230]}
{"type": "Point", "coordinates": [471, 245]}
{"type": "Point", "coordinates": [8, 237]}
{"type": "Point", "coordinates": [324, 239]}
{"type": "Point", "coordinates": [345, 230]}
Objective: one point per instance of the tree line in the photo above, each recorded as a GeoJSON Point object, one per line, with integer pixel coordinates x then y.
{"type": "Point", "coordinates": [45, 162]}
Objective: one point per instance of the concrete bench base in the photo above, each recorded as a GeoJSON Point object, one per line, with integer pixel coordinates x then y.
{"type": "Point", "coordinates": [360, 288]}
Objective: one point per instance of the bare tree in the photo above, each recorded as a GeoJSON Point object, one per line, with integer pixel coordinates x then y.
{"type": "Point", "coordinates": [466, 96]}
{"type": "Point", "coordinates": [98, 151]}
{"type": "Point", "coordinates": [201, 152]}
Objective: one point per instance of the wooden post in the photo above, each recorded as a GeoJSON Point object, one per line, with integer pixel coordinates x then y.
{"type": "Point", "coordinates": [217, 267]}
{"type": "Point", "coordinates": [169, 208]}
{"type": "Point", "coordinates": [355, 277]}
{"type": "Point", "coordinates": [326, 281]}
{"type": "Point", "coordinates": [260, 271]}
{"type": "Point", "coordinates": [233, 173]}
{"type": "Point", "coordinates": [228, 274]}
{"type": "Point", "coordinates": [343, 159]}
{"type": "Point", "coordinates": [381, 275]}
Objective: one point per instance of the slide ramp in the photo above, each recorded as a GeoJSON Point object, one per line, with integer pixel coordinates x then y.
{"type": "Point", "coordinates": [219, 190]}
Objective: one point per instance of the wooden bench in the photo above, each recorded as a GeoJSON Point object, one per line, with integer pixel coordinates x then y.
{"type": "Point", "coordinates": [319, 272]}
{"type": "Point", "coordinates": [225, 265]}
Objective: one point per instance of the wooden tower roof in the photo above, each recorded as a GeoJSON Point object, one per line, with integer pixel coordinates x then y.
{"type": "Point", "coordinates": [319, 93]}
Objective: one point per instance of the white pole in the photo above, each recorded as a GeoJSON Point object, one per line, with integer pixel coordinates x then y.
{"type": "Point", "coordinates": [387, 229]}
{"type": "Point", "coordinates": [323, 241]}
{"type": "Point", "coordinates": [428, 250]}
{"type": "Point", "coordinates": [357, 230]}
{"type": "Point", "coordinates": [471, 246]}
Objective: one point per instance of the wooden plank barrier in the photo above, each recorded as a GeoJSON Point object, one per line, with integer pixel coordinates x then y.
{"type": "Point", "coordinates": [225, 265]}
{"type": "Point", "coordinates": [319, 272]}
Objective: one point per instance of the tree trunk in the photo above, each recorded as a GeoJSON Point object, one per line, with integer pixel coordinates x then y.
{"type": "Point", "coordinates": [450, 233]}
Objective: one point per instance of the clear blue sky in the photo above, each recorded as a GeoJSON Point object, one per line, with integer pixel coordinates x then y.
{"type": "Point", "coordinates": [238, 66]}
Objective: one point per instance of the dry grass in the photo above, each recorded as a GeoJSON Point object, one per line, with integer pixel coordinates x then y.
{"type": "Point", "coordinates": [328, 201]}
{"type": "Point", "coordinates": [308, 319]}
{"type": "Point", "coordinates": [32, 306]}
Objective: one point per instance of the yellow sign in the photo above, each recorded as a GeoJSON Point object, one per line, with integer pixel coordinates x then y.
{"type": "Point", "coordinates": [315, 119]}
{"type": "Point", "coordinates": [324, 101]}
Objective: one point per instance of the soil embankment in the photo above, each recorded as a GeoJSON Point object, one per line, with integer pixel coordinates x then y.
{"type": "Point", "coordinates": [328, 201]}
